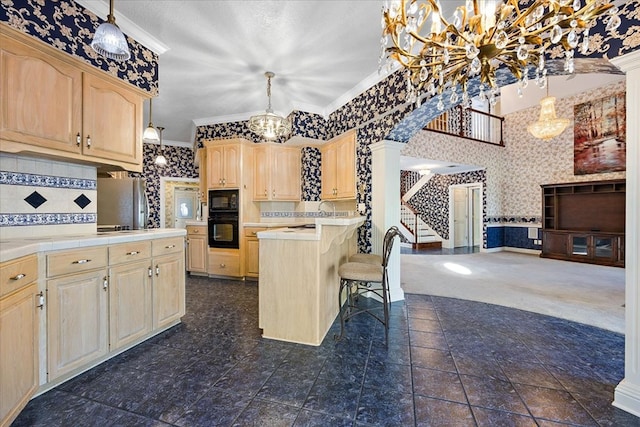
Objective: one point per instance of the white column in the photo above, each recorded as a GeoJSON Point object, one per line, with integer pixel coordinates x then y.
{"type": "Point", "coordinates": [385, 205]}
{"type": "Point", "coordinates": [627, 394]}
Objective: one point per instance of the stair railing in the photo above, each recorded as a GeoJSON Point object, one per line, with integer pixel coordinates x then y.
{"type": "Point", "coordinates": [469, 123]}
{"type": "Point", "coordinates": [414, 229]}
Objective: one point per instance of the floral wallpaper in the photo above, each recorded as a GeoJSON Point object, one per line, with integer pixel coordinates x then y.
{"type": "Point", "coordinates": [491, 158]}
{"type": "Point", "coordinates": [180, 163]}
{"type": "Point", "coordinates": [311, 174]}
{"type": "Point", "coordinates": [529, 162]}
{"type": "Point", "coordinates": [69, 27]}
{"type": "Point", "coordinates": [432, 200]}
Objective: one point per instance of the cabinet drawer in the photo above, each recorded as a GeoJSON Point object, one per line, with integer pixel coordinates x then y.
{"type": "Point", "coordinates": [197, 230]}
{"type": "Point", "coordinates": [252, 231]}
{"type": "Point", "coordinates": [18, 273]}
{"type": "Point", "coordinates": [167, 246]}
{"type": "Point", "coordinates": [76, 261]}
{"type": "Point", "coordinates": [224, 264]}
{"type": "Point", "coordinates": [127, 252]}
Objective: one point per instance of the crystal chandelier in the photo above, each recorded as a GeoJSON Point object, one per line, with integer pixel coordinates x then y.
{"type": "Point", "coordinates": [548, 125]}
{"type": "Point", "coordinates": [109, 41]}
{"type": "Point", "coordinates": [268, 125]}
{"type": "Point", "coordinates": [441, 56]}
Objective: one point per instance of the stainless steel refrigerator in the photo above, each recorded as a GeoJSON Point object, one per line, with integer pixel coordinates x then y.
{"type": "Point", "coordinates": [122, 204]}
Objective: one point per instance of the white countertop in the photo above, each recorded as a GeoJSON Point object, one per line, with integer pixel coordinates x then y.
{"type": "Point", "coordinates": [299, 233]}
{"type": "Point", "coordinates": [196, 222]}
{"type": "Point", "coordinates": [15, 248]}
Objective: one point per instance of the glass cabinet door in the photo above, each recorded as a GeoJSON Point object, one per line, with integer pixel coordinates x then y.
{"type": "Point", "coordinates": [579, 245]}
{"type": "Point", "coordinates": [603, 247]}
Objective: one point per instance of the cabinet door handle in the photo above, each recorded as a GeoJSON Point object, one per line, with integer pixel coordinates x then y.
{"type": "Point", "coordinates": [40, 304]}
{"type": "Point", "coordinates": [170, 246]}
{"type": "Point", "coordinates": [81, 261]}
{"type": "Point", "coordinates": [273, 193]}
{"type": "Point", "coordinates": [265, 192]}
{"type": "Point", "coordinates": [223, 265]}
{"type": "Point", "coordinates": [150, 271]}
{"type": "Point", "coordinates": [224, 181]}
{"type": "Point", "coordinates": [78, 139]}
{"type": "Point", "coordinates": [133, 253]}
{"type": "Point", "coordinates": [88, 141]}
{"type": "Point", "coordinates": [157, 270]}
{"type": "Point", "coordinates": [105, 283]}
{"type": "Point", "coordinates": [19, 276]}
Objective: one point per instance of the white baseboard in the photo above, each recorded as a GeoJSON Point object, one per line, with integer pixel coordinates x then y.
{"type": "Point", "coordinates": [627, 397]}
{"type": "Point", "coordinates": [510, 249]}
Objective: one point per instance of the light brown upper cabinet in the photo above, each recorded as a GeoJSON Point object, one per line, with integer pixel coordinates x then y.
{"type": "Point", "coordinates": [276, 172]}
{"type": "Point", "coordinates": [223, 166]}
{"type": "Point", "coordinates": [52, 104]}
{"type": "Point", "coordinates": [201, 162]}
{"type": "Point", "coordinates": [339, 167]}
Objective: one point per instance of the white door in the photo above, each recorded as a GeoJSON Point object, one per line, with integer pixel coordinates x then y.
{"type": "Point", "coordinates": [460, 217]}
{"type": "Point", "coordinates": [184, 206]}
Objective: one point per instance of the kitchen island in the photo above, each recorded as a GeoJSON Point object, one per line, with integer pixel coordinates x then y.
{"type": "Point", "coordinates": [298, 291]}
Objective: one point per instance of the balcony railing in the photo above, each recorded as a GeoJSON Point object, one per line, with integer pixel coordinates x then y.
{"type": "Point", "coordinates": [469, 123]}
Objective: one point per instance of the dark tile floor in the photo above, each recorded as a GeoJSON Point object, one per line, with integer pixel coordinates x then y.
{"type": "Point", "coordinates": [449, 363]}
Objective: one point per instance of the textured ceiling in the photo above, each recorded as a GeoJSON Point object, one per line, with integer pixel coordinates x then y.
{"type": "Point", "coordinates": [322, 52]}
{"type": "Point", "coordinates": [218, 52]}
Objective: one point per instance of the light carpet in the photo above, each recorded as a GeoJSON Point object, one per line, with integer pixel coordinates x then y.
{"type": "Point", "coordinates": [584, 293]}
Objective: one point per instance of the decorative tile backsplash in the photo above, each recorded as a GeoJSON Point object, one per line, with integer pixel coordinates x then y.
{"type": "Point", "coordinates": [40, 197]}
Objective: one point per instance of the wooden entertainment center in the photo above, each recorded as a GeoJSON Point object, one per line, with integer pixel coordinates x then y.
{"type": "Point", "coordinates": [584, 222]}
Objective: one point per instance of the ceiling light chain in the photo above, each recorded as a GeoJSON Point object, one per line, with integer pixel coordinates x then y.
{"type": "Point", "coordinates": [269, 125]}
{"type": "Point", "coordinates": [483, 35]}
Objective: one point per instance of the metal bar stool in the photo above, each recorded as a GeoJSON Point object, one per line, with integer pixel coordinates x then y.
{"type": "Point", "coordinates": [359, 278]}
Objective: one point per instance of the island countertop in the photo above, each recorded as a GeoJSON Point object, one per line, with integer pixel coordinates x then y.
{"type": "Point", "coordinates": [15, 248]}
{"type": "Point", "coordinates": [311, 231]}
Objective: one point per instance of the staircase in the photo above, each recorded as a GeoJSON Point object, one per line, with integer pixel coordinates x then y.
{"type": "Point", "coordinates": [418, 232]}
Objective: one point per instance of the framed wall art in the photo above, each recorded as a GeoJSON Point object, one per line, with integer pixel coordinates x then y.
{"type": "Point", "coordinates": [599, 135]}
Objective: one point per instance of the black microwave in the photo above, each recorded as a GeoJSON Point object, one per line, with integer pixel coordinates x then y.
{"type": "Point", "coordinates": [223, 200]}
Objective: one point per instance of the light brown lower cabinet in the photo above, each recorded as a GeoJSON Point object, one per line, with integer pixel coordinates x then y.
{"type": "Point", "coordinates": [224, 262]}
{"type": "Point", "coordinates": [77, 304]}
{"type": "Point", "coordinates": [130, 300]}
{"type": "Point", "coordinates": [99, 301]}
{"type": "Point", "coordinates": [77, 321]}
{"type": "Point", "coordinates": [251, 251]}
{"type": "Point", "coordinates": [168, 289]}
{"type": "Point", "coordinates": [19, 338]}
{"type": "Point", "coordinates": [197, 249]}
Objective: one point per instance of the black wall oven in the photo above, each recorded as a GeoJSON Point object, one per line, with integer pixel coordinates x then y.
{"type": "Point", "coordinates": [223, 219]}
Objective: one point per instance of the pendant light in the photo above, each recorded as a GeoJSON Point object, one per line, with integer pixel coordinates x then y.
{"type": "Point", "coordinates": [161, 160]}
{"type": "Point", "coordinates": [109, 41]}
{"type": "Point", "coordinates": [150, 134]}
{"type": "Point", "coordinates": [548, 125]}
{"type": "Point", "coordinates": [269, 125]}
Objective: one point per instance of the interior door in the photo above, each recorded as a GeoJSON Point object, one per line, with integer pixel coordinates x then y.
{"type": "Point", "coordinates": [460, 217]}
{"type": "Point", "coordinates": [184, 206]}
